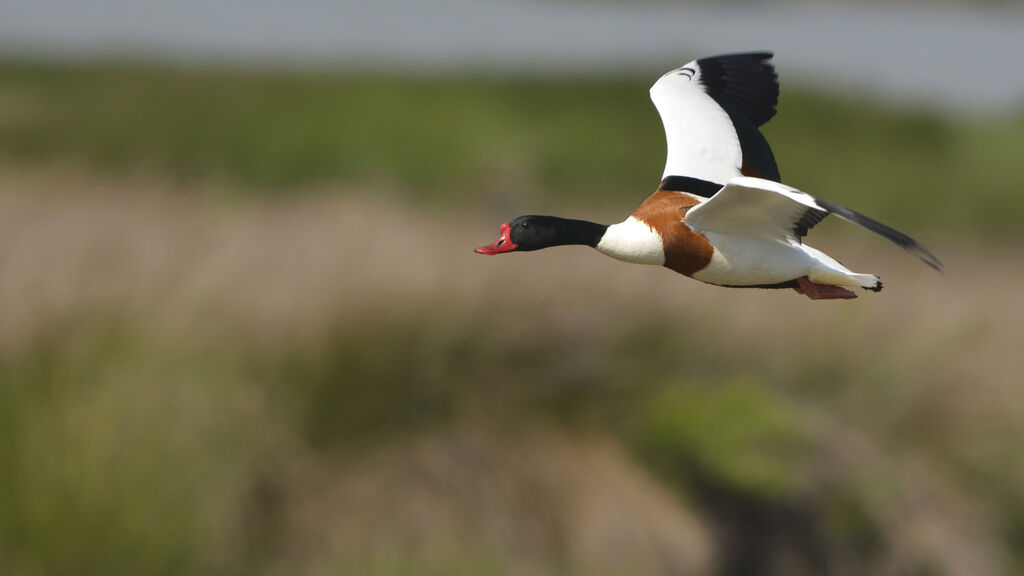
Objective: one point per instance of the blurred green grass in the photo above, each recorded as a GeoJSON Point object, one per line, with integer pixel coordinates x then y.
{"type": "Point", "coordinates": [131, 453]}
{"type": "Point", "coordinates": [474, 140]}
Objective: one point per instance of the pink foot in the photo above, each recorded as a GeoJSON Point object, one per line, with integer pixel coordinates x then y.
{"type": "Point", "coordinates": [822, 291]}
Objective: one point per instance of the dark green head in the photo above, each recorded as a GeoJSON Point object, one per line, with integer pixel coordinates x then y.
{"type": "Point", "coordinates": [527, 233]}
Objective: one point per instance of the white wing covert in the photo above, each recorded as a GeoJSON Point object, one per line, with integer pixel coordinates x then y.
{"type": "Point", "coordinates": [758, 208]}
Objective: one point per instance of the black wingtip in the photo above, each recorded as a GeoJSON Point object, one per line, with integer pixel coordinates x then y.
{"type": "Point", "coordinates": [914, 247]}
{"type": "Point", "coordinates": [745, 83]}
{"type": "Point", "coordinates": [929, 259]}
{"type": "Point", "coordinates": [887, 232]}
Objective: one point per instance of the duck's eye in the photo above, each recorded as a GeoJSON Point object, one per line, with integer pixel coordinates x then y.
{"type": "Point", "coordinates": [523, 225]}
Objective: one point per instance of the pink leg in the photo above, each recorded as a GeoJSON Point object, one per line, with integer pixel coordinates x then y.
{"type": "Point", "coordinates": [822, 291]}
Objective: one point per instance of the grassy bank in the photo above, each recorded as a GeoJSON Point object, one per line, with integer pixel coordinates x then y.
{"type": "Point", "coordinates": [472, 141]}
{"type": "Point", "coordinates": [338, 384]}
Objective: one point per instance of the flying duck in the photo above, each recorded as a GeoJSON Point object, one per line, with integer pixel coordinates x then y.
{"type": "Point", "coordinates": [721, 214]}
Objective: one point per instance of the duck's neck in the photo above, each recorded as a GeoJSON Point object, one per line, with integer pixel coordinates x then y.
{"type": "Point", "coordinates": [580, 232]}
{"type": "Point", "coordinates": [554, 231]}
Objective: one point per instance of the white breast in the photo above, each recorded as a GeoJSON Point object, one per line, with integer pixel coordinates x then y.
{"type": "Point", "coordinates": [633, 241]}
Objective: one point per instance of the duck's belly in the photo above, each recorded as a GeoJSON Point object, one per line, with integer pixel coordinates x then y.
{"type": "Point", "coordinates": [749, 261]}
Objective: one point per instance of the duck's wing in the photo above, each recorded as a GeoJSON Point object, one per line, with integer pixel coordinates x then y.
{"type": "Point", "coordinates": [711, 109]}
{"type": "Point", "coordinates": [758, 208]}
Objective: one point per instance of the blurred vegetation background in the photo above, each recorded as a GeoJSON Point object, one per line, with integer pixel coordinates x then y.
{"type": "Point", "coordinates": [242, 331]}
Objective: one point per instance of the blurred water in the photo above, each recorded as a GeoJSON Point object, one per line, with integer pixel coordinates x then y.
{"type": "Point", "coordinates": [961, 58]}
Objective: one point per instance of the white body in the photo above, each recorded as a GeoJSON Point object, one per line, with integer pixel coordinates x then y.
{"type": "Point", "coordinates": [737, 261]}
{"type": "Point", "coordinates": [750, 223]}
{"type": "Point", "coordinates": [741, 261]}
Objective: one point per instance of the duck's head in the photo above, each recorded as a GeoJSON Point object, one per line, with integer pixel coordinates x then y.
{"type": "Point", "coordinates": [527, 233]}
